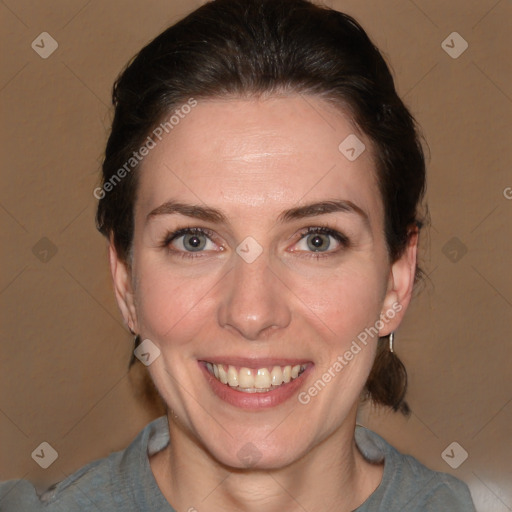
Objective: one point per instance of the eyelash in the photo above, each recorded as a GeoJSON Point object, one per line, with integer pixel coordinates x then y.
{"type": "Point", "coordinates": [322, 230]}
{"type": "Point", "coordinates": [170, 237]}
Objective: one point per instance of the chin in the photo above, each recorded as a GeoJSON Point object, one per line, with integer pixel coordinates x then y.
{"type": "Point", "coordinates": [254, 455]}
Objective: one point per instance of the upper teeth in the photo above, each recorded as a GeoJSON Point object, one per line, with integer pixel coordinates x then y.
{"type": "Point", "coordinates": [248, 378]}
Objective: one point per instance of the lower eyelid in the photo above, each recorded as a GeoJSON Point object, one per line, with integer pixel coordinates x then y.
{"type": "Point", "coordinates": [330, 252]}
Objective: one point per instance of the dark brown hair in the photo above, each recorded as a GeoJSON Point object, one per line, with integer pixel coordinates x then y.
{"type": "Point", "coordinates": [247, 48]}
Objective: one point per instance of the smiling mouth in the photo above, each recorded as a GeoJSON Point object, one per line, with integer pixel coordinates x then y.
{"type": "Point", "coordinates": [252, 380]}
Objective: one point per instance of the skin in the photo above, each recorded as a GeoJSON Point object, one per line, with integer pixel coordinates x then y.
{"type": "Point", "coordinates": [253, 159]}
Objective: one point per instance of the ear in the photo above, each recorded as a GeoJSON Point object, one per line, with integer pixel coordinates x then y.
{"type": "Point", "coordinates": [400, 286]}
{"type": "Point", "coordinates": [123, 288]}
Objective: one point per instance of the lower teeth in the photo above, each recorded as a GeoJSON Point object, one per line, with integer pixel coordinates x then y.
{"type": "Point", "coordinates": [254, 390]}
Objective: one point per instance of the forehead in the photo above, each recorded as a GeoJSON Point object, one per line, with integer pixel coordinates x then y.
{"type": "Point", "coordinates": [270, 154]}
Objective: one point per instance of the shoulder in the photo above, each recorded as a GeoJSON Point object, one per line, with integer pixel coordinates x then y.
{"type": "Point", "coordinates": [75, 493]}
{"type": "Point", "coordinates": [69, 494]}
{"type": "Point", "coordinates": [104, 484]}
{"type": "Point", "coordinates": [407, 484]}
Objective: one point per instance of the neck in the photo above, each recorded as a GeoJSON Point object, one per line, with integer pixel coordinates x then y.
{"type": "Point", "coordinates": [331, 476]}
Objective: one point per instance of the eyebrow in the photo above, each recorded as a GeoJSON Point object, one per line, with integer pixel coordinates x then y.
{"type": "Point", "coordinates": [216, 216]}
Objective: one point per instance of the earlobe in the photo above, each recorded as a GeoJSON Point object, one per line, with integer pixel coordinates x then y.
{"type": "Point", "coordinates": [400, 287]}
{"type": "Point", "coordinates": [123, 289]}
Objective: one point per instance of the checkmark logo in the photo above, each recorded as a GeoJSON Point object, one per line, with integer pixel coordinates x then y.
{"type": "Point", "coordinates": [147, 352]}
{"type": "Point", "coordinates": [351, 147]}
{"type": "Point", "coordinates": [45, 455]}
{"type": "Point", "coordinates": [454, 249]}
{"type": "Point", "coordinates": [44, 250]}
{"type": "Point", "coordinates": [249, 455]}
{"type": "Point", "coordinates": [454, 45]}
{"type": "Point", "coordinates": [249, 249]}
{"type": "Point", "coordinates": [454, 455]}
{"type": "Point", "coordinates": [44, 45]}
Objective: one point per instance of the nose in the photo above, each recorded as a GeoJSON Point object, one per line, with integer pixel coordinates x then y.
{"type": "Point", "coordinates": [254, 300]}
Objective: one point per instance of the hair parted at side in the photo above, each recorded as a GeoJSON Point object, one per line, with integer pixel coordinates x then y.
{"type": "Point", "coordinates": [247, 48]}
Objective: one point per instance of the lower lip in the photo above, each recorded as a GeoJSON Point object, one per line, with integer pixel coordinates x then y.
{"type": "Point", "coordinates": [254, 401]}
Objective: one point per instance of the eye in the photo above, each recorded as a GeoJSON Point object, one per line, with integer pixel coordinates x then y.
{"type": "Point", "coordinates": [322, 239]}
{"type": "Point", "coordinates": [189, 240]}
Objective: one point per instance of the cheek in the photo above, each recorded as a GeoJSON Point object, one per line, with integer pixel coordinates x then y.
{"type": "Point", "coordinates": [170, 306]}
{"type": "Point", "coordinates": [343, 302]}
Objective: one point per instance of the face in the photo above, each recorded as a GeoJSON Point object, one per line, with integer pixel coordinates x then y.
{"type": "Point", "coordinates": [259, 260]}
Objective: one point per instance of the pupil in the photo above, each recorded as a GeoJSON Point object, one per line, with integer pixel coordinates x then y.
{"type": "Point", "coordinates": [318, 242]}
{"type": "Point", "coordinates": [193, 243]}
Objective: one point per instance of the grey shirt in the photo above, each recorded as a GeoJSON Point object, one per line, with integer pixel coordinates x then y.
{"type": "Point", "coordinates": [123, 481]}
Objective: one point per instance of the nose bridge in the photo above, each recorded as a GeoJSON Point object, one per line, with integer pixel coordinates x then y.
{"type": "Point", "coordinates": [253, 300]}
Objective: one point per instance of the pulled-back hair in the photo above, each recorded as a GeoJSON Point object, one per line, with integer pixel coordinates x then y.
{"type": "Point", "coordinates": [250, 48]}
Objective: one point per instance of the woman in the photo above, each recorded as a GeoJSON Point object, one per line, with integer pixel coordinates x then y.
{"type": "Point", "coordinates": [261, 193]}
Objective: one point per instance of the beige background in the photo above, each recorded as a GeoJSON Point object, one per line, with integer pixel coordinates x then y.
{"type": "Point", "coordinates": [65, 351]}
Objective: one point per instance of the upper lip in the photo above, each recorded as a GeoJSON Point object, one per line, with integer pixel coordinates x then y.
{"type": "Point", "coordinates": [251, 362]}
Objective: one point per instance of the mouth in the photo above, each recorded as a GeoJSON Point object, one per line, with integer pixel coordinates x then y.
{"type": "Point", "coordinates": [255, 384]}
{"type": "Point", "coordinates": [255, 380]}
